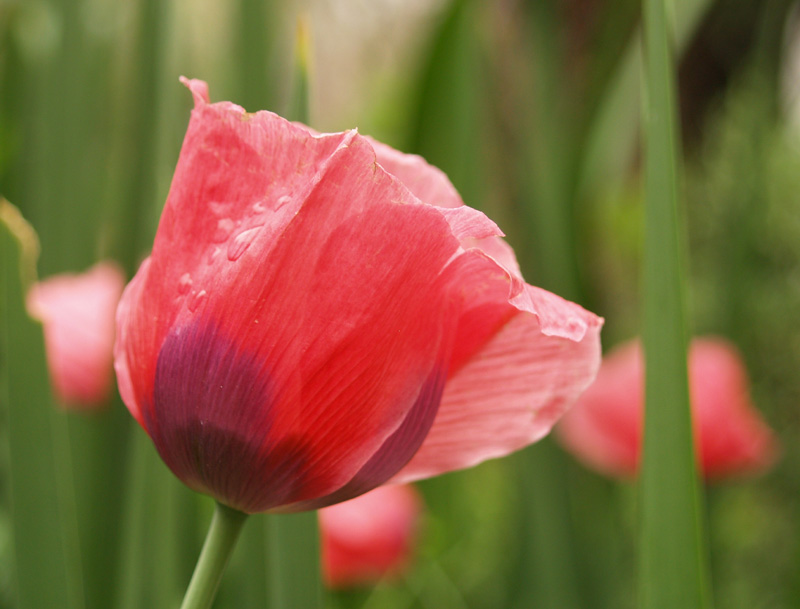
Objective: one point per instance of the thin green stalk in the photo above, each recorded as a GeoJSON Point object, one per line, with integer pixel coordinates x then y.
{"type": "Point", "coordinates": [222, 535]}
{"type": "Point", "coordinates": [672, 566]}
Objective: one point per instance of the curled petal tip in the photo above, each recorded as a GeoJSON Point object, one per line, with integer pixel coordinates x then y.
{"type": "Point", "coordinates": [199, 89]}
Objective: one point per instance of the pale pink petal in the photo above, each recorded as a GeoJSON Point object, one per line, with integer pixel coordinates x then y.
{"type": "Point", "coordinates": [604, 429]}
{"type": "Point", "coordinates": [516, 383]}
{"type": "Point", "coordinates": [428, 183]}
{"type": "Point", "coordinates": [77, 312]}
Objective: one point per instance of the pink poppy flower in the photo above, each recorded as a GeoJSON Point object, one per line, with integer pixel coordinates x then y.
{"type": "Point", "coordinates": [604, 428]}
{"type": "Point", "coordinates": [77, 314]}
{"type": "Point", "coordinates": [321, 314]}
{"type": "Point", "coordinates": [370, 537]}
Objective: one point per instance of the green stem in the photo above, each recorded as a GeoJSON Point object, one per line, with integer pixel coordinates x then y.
{"type": "Point", "coordinates": [225, 528]}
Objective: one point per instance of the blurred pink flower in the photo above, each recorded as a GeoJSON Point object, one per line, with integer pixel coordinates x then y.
{"type": "Point", "coordinates": [77, 312]}
{"type": "Point", "coordinates": [603, 430]}
{"type": "Point", "coordinates": [370, 537]}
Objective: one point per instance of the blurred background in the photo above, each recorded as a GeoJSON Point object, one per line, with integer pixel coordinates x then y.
{"type": "Point", "coordinates": [532, 109]}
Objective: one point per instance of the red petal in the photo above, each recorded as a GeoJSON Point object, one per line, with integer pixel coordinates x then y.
{"type": "Point", "coordinates": [603, 430]}
{"type": "Point", "coordinates": [428, 183]}
{"type": "Point", "coordinates": [519, 362]}
{"type": "Point", "coordinates": [338, 298]}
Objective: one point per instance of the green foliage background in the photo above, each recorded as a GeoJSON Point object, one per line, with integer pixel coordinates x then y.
{"type": "Point", "coordinates": [533, 110]}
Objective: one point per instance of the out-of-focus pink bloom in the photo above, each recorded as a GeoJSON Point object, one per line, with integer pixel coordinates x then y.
{"type": "Point", "coordinates": [370, 537]}
{"type": "Point", "coordinates": [322, 314]}
{"type": "Point", "coordinates": [604, 428]}
{"type": "Point", "coordinates": [77, 313]}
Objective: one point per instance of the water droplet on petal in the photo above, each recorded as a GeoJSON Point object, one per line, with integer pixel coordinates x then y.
{"type": "Point", "coordinates": [259, 207]}
{"type": "Point", "coordinates": [196, 300]}
{"type": "Point", "coordinates": [282, 200]}
{"type": "Point", "coordinates": [225, 227]}
{"type": "Point", "coordinates": [241, 242]}
{"type": "Point", "coordinates": [184, 283]}
{"type": "Point", "coordinates": [213, 254]}
{"type": "Point", "coordinates": [218, 208]}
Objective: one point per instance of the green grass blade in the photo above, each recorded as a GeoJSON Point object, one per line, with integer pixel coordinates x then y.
{"type": "Point", "coordinates": [547, 165]}
{"type": "Point", "coordinates": [299, 104]}
{"type": "Point", "coordinates": [48, 568]}
{"type": "Point", "coordinates": [155, 565]}
{"type": "Point", "coordinates": [97, 442]}
{"type": "Point", "coordinates": [293, 556]}
{"type": "Point", "coordinates": [612, 138]}
{"type": "Point", "coordinates": [447, 121]}
{"type": "Point", "coordinates": [673, 571]}
{"type": "Point", "coordinates": [255, 37]}
{"type": "Point", "coordinates": [549, 577]}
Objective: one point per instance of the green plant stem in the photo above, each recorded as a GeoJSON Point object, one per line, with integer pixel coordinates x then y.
{"type": "Point", "coordinates": [222, 535]}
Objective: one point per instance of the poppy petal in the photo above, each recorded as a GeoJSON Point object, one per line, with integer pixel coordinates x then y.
{"type": "Point", "coordinates": [517, 366]}
{"type": "Point", "coordinates": [347, 333]}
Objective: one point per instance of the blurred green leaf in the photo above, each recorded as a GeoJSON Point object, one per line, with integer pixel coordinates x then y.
{"type": "Point", "coordinates": [255, 39]}
{"type": "Point", "coordinates": [48, 567]}
{"type": "Point", "coordinates": [550, 576]}
{"type": "Point", "coordinates": [294, 563]}
{"type": "Point", "coordinates": [298, 109]}
{"type": "Point", "coordinates": [447, 124]}
{"type": "Point", "coordinates": [673, 571]}
{"type": "Point", "coordinates": [612, 137]}
{"type": "Point", "coordinates": [158, 545]}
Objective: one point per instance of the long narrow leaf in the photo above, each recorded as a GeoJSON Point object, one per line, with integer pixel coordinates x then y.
{"type": "Point", "coordinates": [293, 557]}
{"type": "Point", "coordinates": [48, 572]}
{"type": "Point", "coordinates": [673, 572]}
{"type": "Point", "coordinates": [612, 138]}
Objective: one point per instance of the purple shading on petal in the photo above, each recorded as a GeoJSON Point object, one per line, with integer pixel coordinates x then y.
{"type": "Point", "coordinates": [211, 418]}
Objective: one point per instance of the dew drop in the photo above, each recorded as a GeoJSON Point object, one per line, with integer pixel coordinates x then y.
{"type": "Point", "coordinates": [282, 201]}
{"type": "Point", "coordinates": [213, 253]}
{"type": "Point", "coordinates": [218, 208]}
{"type": "Point", "coordinates": [184, 283]}
{"type": "Point", "coordinates": [225, 227]}
{"type": "Point", "coordinates": [196, 300]}
{"type": "Point", "coordinates": [259, 207]}
{"type": "Point", "coordinates": [241, 242]}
